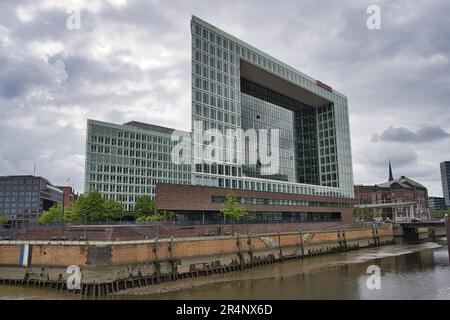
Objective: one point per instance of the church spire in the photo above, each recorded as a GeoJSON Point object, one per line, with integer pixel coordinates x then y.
{"type": "Point", "coordinates": [391, 177]}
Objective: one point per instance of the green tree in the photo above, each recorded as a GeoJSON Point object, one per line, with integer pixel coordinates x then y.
{"type": "Point", "coordinates": [53, 214]}
{"type": "Point", "coordinates": [92, 207]}
{"type": "Point", "coordinates": [3, 219]}
{"type": "Point", "coordinates": [72, 213]}
{"type": "Point", "coordinates": [114, 209]}
{"type": "Point", "coordinates": [439, 214]}
{"type": "Point", "coordinates": [144, 206]}
{"type": "Point", "coordinates": [232, 208]}
{"type": "Point", "coordinates": [365, 214]}
{"type": "Point", "coordinates": [158, 216]}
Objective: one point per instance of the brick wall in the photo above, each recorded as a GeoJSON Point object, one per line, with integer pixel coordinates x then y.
{"type": "Point", "coordinates": [9, 254]}
{"type": "Point", "coordinates": [58, 255]}
{"type": "Point", "coordinates": [65, 255]}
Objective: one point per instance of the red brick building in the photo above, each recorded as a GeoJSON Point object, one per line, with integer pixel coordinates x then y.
{"type": "Point", "coordinates": [68, 195]}
{"type": "Point", "coordinates": [395, 191]}
{"type": "Point", "coordinates": [199, 203]}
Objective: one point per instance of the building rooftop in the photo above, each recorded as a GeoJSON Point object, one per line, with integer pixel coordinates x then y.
{"type": "Point", "coordinates": [403, 181]}
{"type": "Point", "coordinates": [151, 127]}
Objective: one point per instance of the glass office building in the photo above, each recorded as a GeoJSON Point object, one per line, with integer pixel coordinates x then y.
{"type": "Point", "coordinates": [24, 198]}
{"type": "Point", "coordinates": [126, 161]}
{"type": "Point", "coordinates": [236, 86]}
{"type": "Point", "coordinates": [247, 108]}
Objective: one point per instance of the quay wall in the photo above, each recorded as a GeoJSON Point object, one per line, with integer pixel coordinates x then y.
{"type": "Point", "coordinates": [110, 266]}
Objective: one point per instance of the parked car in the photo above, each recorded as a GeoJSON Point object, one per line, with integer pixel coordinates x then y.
{"type": "Point", "coordinates": [415, 220]}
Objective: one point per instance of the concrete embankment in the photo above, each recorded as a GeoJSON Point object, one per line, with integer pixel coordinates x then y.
{"type": "Point", "coordinates": [108, 267]}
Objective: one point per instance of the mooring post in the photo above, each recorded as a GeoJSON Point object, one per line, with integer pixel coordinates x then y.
{"type": "Point", "coordinates": [172, 262]}
{"type": "Point", "coordinates": [339, 239]}
{"type": "Point", "coordinates": [447, 230]}
{"type": "Point", "coordinates": [156, 262]}
{"type": "Point", "coordinates": [345, 241]}
{"type": "Point", "coordinates": [250, 249]}
{"type": "Point", "coordinates": [241, 258]}
{"type": "Point", "coordinates": [279, 247]}
{"type": "Point", "coordinates": [301, 243]}
{"type": "Point", "coordinates": [378, 236]}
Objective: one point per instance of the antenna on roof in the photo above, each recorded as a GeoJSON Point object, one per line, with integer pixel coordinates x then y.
{"type": "Point", "coordinates": [34, 169]}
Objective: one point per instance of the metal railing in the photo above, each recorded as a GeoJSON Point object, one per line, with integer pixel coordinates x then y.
{"type": "Point", "coordinates": [173, 223]}
{"type": "Point", "coordinates": [147, 230]}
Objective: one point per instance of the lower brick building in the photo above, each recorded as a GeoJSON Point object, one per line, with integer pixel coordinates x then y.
{"type": "Point", "coordinates": [203, 204]}
{"type": "Point", "coordinates": [401, 190]}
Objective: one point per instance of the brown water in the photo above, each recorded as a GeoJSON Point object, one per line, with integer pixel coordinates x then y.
{"type": "Point", "coordinates": [419, 271]}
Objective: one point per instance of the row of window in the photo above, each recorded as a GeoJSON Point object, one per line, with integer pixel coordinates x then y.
{"type": "Point", "coordinates": [19, 200]}
{"type": "Point", "coordinates": [219, 169]}
{"type": "Point", "coordinates": [213, 50]}
{"type": "Point", "coordinates": [160, 152]}
{"type": "Point", "coordinates": [214, 63]}
{"type": "Point", "coordinates": [214, 100]}
{"type": "Point", "coordinates": [15, 187]}
{"type": "Point", "coordinates": [108, 135]}
{"type": "Point", "coordinates": [241, 183]}
{"type": "Point", "coordinates": [137, 171]}
{"type": "Point", "coordinates": [13, 211]}
{"type": "Point", "coordinates": [126, 161]}
{"type": "Point", "coordinates": [214, 114]}
{"type": "Point", "coordinates": [149, 180]}
{"type": "Point", "coordinates": [282, 202]}
{"type": "Point", "coordinates": [19, 194]}
{"type": "Point", "coordinates": [18, 181]}
{"type": "Point", "coordinates": [95, 138]}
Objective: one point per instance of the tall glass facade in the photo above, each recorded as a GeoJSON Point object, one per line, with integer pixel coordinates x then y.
{"type": "Point", "coordinates": [315, 151]}
{"type": "Point", "coordinates": [126, 161]}
{"type": "Point", "coordinates": [263, 108]}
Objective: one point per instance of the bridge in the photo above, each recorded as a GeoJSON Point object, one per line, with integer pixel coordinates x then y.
{"type": "Point", "coordinates": [421, 230]}
{"type": "Point", "coordinates": [422, 224]}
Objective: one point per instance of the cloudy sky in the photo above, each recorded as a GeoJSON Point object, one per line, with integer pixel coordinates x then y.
{"type": "Point", "coordinates": [130, 60]}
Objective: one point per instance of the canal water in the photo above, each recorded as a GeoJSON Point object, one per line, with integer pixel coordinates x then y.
{"type": "Point", "coordinates": [407, 271]}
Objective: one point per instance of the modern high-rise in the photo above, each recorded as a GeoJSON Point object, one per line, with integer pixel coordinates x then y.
{"type": "Point", "coordinates": [445, 177]}
{"type": "Point", "coordinates": [126, 161]}
{"type": "Point", "coordinates": [436, 203]}
{"type": "Point", "coordinates": [276, 137]}
{"type": "Point", "coordinates": [236, 86]}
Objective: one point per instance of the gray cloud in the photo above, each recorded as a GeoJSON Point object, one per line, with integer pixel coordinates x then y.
{"type": "Point", "coordinates": [402, 134]}
{"type": "Point", "coordinates": [131, 62]}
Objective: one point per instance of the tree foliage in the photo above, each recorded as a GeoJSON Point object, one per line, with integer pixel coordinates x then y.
{"type": "Point", "coordinates": [365, 214]}
{"type": "Point", "coordinates": [114, 209]}
{"type": "Point", "coordinates": [232, 208]}
{"type": "Point", "coordinates": [3, 219]}
{"type": "Point", "coordinates": [144, 206]}
{"type": "Point", "coordinates": [90, 207]}
{"type": "Point", "coordinates": [439, 214]}
{"type": "Point", "coordinates": [159, 216]}
{"type": "Point", "coordinates": [53, 214]}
